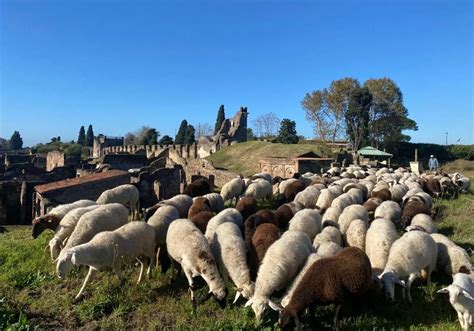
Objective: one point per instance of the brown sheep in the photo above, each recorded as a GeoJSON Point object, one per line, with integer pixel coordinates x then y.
{"type": "Point", "coordinates": [285, 213]}
{"type": "Point", "coordinates": [199, 204]}
{"type": "Point", "coordinates": [48, 221]}
{"type": "Point", "coordinates": [292, 190]}
{"type": "Point", "coordinates": [247, 206]}
{"type": "Point", "coordinates": [334, 280]}
{"type": "Point", "coordinates": [383, 194]}
{"type": "Point", "coordinates": [198, 188]}
{"type": "Point", "coordinates": [264, 236]}
{"type": "Point", "coordinates": [413, 207]}
{"type": "Point", "coordinates": [371, 205]}
{"type": "Point", "coordinates": [253, 221]}
{"type": "Point", "coordinates": [432, 186]}
{"type": "Point", "coordinates": [201, 219]}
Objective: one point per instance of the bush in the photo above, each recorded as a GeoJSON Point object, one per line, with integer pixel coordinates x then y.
{"type": "Point", "coordinates": [465, 152]}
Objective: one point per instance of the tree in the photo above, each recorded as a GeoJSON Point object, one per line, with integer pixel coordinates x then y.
{"type": "Point", "coordinates": [220, 118]}
{"type": "Point", "coordinates": [166, 140]}
{"type": "Point", "coordinates": [266, 125]}
{"type": "Point", "coordinates": [81, 138]}
{"type": "Point", "coordinates": [16, 142]}
{"type": "Point", "coordinates": [326, 108]}
{"type": "Point", "coordinates": [287, 133]}
{"type": "Point", "coordinates": [148, 136]}
{"type": "Point", "coordinates": [130, 139]}
{"type": "Point", "coordinates": [179, 139]}
{"type": "Point", "coordinates": [189, 137]}
{"type": "Point", "coordinates": [250, 135]}
{"type": "Point", "coordinates": [388, 116]}
{"type": "Point", "coordinates": [357, 117]}
{"type": "Point", "coordinates": [203, 129]}
{"type": "Point", "coordinates": [89, 137]}
{"type": "Point", "coordinates": [56, 139]}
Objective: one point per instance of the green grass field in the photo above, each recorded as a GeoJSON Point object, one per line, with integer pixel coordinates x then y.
{"type": "Point", "coordinates": [31, 296]}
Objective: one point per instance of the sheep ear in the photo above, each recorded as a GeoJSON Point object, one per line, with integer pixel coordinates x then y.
{"type": "Point", "coordinates": [274, 306]}
{"type": "Point", "coordinates": [443, 290]}
{"type": "Point", "coordinates": [248, 303]}
{"type": "Point", "coordinates": [467, 295]}
{"type": "Point", "coordinates": [237, 296]}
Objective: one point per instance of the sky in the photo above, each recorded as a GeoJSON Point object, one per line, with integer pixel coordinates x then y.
{"type": "Point", "coordinates": [119, 65]}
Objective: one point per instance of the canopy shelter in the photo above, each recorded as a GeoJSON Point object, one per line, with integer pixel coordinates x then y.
{"type": "Point", "coordinates": [371, 153]}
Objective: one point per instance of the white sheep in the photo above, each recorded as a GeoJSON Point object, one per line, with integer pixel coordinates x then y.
{"type": "Point", "coordinates": [284, 184]}
{"type": "Point", "coordinates": [331, 216]}
{"type": "Point", "coordinates": [461, 297]}
{"type": "Point", "coordinates": [215, 201]}
{"type": "Point", "coordinates": [187, 246]}
{"type": "Point", "coordinates": [259, 189]}
{"type": "Point", "coordinates": [111, 249]}
{"type": "Point", "coordinates": [227, 215]}
{"type": "Point", "coordinates": [307, 221]}
{"type": "Point", "coordinates": [414, 252]}
{"type": "Point", "coordinates": [308, 197]}
{"type": "Point", "coordinates": [351, 213]}
{"type": "Point", "coordinates": [65, 228]}
{"type": "Point", "coordinates": [343, 201]}
{"type": "Point", "coordinates": [263, 175]}
{"type": "Point", "coordinates": [328, 234]}
{"type": "Point", "coordinates": [389, 210]}
{"type": "Point", "coordinates": [282, 261]}
{"type": "Point", "coordinates": [327, 249]}
{"type": "Point", "coordinates": [104, 218]}
{"type": "Point", "coordinates": [182, 202]}
{"type": "Point", "coordinates": [422, 221]}
{"type": "Point", "coordinates": [325, 199]}
{"type": "Point", "coordinates": [230, 253]}
{"type": "Point", "coordinates": [126, 195]}
{"type": "Point", "coordinates": [232, 189]}
{"type": "Point", "coordinates": [378, 241]}
{"type": "Point", "coordinates": [335, 189]}
{"type": "Point", "coordinates": [356, 234]}
{"type": "Point", "coordinates": [451, 257]}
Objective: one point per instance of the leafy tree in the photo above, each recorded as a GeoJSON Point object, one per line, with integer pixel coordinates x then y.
{"type": "Point", "coordinates": [250, 135]}
{"type": "Point", "coordinates": [16, 142]}
{"type": "Point", "coordinates": [56, 139]}
{"type": "Point", "coordinates": [180, 136]}
{"type": "Point", "coordinates": [81, 139]}
{"type": "Point", "coordinates": [89, 136]}
{"type": "Point", "coordinates": [130, 139]}
{"type": "Point", "coordinates": [388, 115]}
{"type": "Point", "coordinates": [287, 133]}
{"type": "Point", "coordinates": [203, 129]}
{"type": "Point", "coordinates": [148, 136]}
{"type": "Point", "coordinates": [166, 140]}
{"type": "Point", "coordinates": [189, 137]}
{"type": "Point", "coordinates": [357, 117]}
{"type": "Point", "coordinates": [220, 118]}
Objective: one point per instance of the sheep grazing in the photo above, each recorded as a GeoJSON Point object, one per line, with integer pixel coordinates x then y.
{"type": "Point", "coordinates": [54, 216]}
{"type": "Point", "coordinates": [389, 210]}
{"type": "Point", "coordinates": [215, 201]}
{"type": "Point", "coordinates": [111, 249]}
{"type": "Point", "coordinates": [198, 187]}
{"type": "Point", "coordinates": [259, 189]}
{"type": "Point", "coordinates": [126, 195]}
{"type": "Point", "coordinates": [181, 202]}
{"type": "Point", "coordinates": [230, 253]}
{"type": "Point", "coordinates": [260, 217]}
{"type": "Point", "coordinates": [356, 234]}
{"type": "Point", "coordinates": [199, 204]}
{"type": "Point", "coordinates": [308, 197]}
{"type": "Point", "coordinates": [351, 213]}
{"type": "Point", "coordinates": [383, 194]}
{"type": "Point", "coordinates": [424, 222]}
{"type": "Point", "coordinates": [357, 196]}
{"type": "Point", "coordinates": [326, 196]}
{"type": "Point", "coordinates": [412, 208]}
{"type": "Point", "coordinates": [378, 241]}
{"type": "Point", "coordinates": [371, 205]}
{"type": "Point", "coordinates": [333, 280]}
{"type": "Point", "coordinates": [263, 237]}
{"type": "Point", "coordinates": [292, 189]}
{"type": "Point", "coordinates": [263, 175]}
{"type": "Point", "coordinates": [414, 252]}
{"type": "Point", "coordinates": [285, 213]}
{"type": "Point", "coordinates": [397, 192]}
{"type": "Point", "coordinates": [284, 184]}
{"type": "Point", "coordinates": [464, 184]}
{"type": "Point", "coordinates": [461, 297]}
{"type": "Point", "coordinates": [451, 258]}
{"type": "Point", "coordinates": [202, 219]}
{"type": "Point", "coordinates": [432, 186]}
{"type": "Point", "coordinates": [232, 189]}
{"type": "Point", "coordinates": [188, 247]}
{"type": "Point", "coordinates": [281, 263]}
{"type": "Point", "coordinates": [307, 221]}
{"type": "Point", "coordinates": [331, 215]}
{"type": "Point", "coordinates": [247, 206]}
{"type": "Point", "coordinates": [227, 215]}
{"type": "Point", "coordinates": [342, 201]}
{"type": "Point", "coordinates": [327, 249]}
{"type": "Point", "coordinates": [328, 234]}
{"type": "Point", "coordinates": [65, 228]}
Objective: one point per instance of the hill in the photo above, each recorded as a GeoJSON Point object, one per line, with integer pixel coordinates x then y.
{"type": "Point", "coordinates": [244, 158]}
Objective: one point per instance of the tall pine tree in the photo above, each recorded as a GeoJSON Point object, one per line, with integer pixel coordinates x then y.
{"type": "Point", "coordinates": [189, 137]}
{"type": "Point", "coordinates": [81, 139]}
{"type": "Point", "coordinates": [16, 142]}
{"type": "Point", "coordinates": [220, 118]}
{"type": "Point", "coordinates": [180, 136]}
{"type": "Point", "coordinates": [89, 136]}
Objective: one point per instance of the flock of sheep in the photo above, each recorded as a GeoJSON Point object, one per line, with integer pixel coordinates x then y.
{"type": "Point", "coordinates": [332, 238]}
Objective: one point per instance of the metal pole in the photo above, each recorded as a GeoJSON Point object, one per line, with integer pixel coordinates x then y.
{"type": "Point", "coordinates": [446, 139]}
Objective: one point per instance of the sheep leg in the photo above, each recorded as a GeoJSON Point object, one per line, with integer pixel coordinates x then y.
{"type": "Point", "coordinates": [411, 278]}
{"type": "Point", "coordinates": [151, 263]}
{"type": "Point", "coordinates": [141, 271]}
{"type": "Point", "coordinates": [86, 280]}
{"type": "Point", "coordinates": [461, 319]}
{"type": "Point", "coordinates": [158, 256]}
{"type": "Point", "coordinates": [192, 287]}
{"type": "Point", "coordinates": [336, 317]}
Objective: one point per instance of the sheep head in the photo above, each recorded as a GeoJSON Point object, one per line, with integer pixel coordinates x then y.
{"type": "Point", "coordinates": [65, 263]}
{"type": "Point", "coordinates": [389, 279]}
{"type": "Point", "coordinates": [454, 292]}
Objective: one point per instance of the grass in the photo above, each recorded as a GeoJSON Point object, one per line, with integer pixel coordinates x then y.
{"type": "Point", "coordinates": [31, 296]}
{"type": "Point", "coordinates": [244, 158]}
{"type": "Point", "coordinates": [463, 166]}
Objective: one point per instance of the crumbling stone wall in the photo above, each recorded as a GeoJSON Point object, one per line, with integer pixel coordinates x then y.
{"type": "Point", "coordinates": [54, 159]}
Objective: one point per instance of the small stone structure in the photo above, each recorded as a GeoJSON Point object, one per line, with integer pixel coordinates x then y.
{"type": "Point", "coordinates": [54, 159]}
{"type": "Point", "coordinates": [287, 167]}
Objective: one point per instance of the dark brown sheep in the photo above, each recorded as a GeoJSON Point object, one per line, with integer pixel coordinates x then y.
{"type": "Point", "coordinates": [413, 207]}
{"type": "Point", "coordinates": [253, 221]}
{"type": "Point", "coordinates": [198, 188]}
{"type": "Point", "coordinates": [432, 186]}
{"type": "Point", "coordinates": [285, 213]}
{"type": "Point", "coordinates": [199, 204]}
{"type": "Point", "coordinates": [247, 206]}
{"type": "Point", "coordinates": [292, 190]}
{"type": "Point", "coordinates": [265, 235]}
{"type": "Point", "coordinates": [44, 222]}
{"type": "Point", "coordinates": [334, 280]}
{"type": "Point", "coordinates": [201, 219]}
{"type": "Point", "coordinates": [383, 194]}
{"type": "Point", "coordinates": [371, 205]}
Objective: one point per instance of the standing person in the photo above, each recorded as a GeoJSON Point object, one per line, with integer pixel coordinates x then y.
{"type": "Point", "coordinates": [433, 163]}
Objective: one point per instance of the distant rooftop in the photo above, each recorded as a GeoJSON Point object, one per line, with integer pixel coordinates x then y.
{"type": "Point", "coordinates": [372, 151]}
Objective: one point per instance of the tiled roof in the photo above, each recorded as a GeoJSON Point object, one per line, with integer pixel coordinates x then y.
{"type": "Point", "coordinates": [372, 151]}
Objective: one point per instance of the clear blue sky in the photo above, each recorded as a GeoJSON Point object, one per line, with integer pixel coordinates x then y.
{"type": "Point", "coordinates": [122, 64]}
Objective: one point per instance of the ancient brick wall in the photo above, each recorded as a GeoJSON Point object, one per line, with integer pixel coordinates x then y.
{"type": "Point", "coordinates": [54, 159]}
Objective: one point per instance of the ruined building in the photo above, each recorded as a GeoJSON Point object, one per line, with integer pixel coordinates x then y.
{"type": "Point", "coordinates": [101, 142]}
